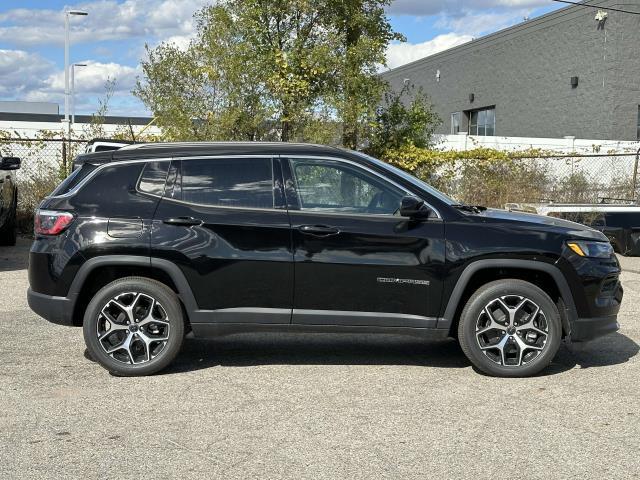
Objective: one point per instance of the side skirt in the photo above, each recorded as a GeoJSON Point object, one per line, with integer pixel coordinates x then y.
{"type": "Point", "coordinates": [205, 330]}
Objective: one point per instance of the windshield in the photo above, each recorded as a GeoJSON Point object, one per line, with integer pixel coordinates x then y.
{"type": "Point", "coordinates": [411, 179]}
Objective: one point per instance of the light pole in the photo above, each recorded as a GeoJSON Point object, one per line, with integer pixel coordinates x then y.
{"type": "Point", "coordinates": [73, 89]}
{"type": "Point", "coordinates": [67, 14]}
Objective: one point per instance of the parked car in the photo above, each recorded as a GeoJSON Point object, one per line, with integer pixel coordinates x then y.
{"type": "Point", "coordinates": [8, 200]}
{"type": "Point", "coordinates": [619, 222]}
{"type": "Point", "coordinates": [143, 244]}
{"type": "Point", "coordinates": [105, 145]}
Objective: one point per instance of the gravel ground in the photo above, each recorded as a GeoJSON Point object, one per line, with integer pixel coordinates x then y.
{"type": "Point", "coordinates": [323, 406]}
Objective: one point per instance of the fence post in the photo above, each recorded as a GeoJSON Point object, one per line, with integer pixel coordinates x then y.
{"type": "Point", "coordinates": [64, 156]}
{"type": "Point", "coordinates": [635, 176]}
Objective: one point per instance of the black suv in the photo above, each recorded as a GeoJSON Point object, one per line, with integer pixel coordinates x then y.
{"type": "Point", "coordinates": [8, 199]}
{"type": "Point", "coordinates": [147, 243]}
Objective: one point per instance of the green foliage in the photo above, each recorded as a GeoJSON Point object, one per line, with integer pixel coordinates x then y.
{"type": "Point", "coordinates": [363, 33]}
{"type": "Point", "coordinates": [260, 70]}
{"type": "Point", "coordinates": [402, 123]}
{"type": "Point", "coordinates": [482, 176]}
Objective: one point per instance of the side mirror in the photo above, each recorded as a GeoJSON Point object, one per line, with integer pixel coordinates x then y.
{"type": "Point", "coordinates": [10, 163]}
{"type": "Point", "coordinates": [414, 208]}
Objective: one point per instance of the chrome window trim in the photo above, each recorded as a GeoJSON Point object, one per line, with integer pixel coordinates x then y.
{"type": "Point", "coordinates": [99, 169]}
{"type": "Point", "coordinates": [90, 177]}
{"type": "Point", "coordinates": [364, 167]}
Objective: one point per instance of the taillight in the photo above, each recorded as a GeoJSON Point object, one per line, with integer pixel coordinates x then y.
{"type": "Point", "coordinates": [51, 222]}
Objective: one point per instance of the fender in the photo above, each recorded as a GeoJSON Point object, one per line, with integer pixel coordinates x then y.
{"type": "Point", "coordinates": [568, 316]}
{"type": "Point", "coordinates": [144, 262]}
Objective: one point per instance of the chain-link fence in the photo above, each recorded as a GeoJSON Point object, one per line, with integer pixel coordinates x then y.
{"type": "Point", "coordinates": [558, 179]}
{"type": "Point", "coordinates": [493, 182]}
{"type": "Point", "coordinates": [45, 162]}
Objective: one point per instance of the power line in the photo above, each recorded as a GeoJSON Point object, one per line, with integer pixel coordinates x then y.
{"type": "Point", "coordinates": [580, 4]}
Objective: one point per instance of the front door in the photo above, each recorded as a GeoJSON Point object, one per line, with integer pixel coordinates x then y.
{"type": "Point", "coordinates": [223, 222]}
{"type": "Point", "coordinates": [357, 262]}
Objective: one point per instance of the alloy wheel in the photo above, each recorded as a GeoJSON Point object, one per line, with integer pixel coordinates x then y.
{"type": "Point", "coordinates": [133, 328]}
{"type": "Point", "coordinates": [512, 330]}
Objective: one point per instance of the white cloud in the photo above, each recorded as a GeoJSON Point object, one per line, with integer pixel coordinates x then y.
{"type": "Point", "coordinates": [28, 76]}
{"type": "Point", "coordinates": [463, 20]}
{"type": "Point", "coordinates": [477, 24]}
{"type": "Point", "coordinates": [92, 78]}
{"type": "Point", "coordinates": [22, 72]}
{"type": "Point", "coordinates": [401, 53]}
{"type": "Point", "coordinates": [107, 20]}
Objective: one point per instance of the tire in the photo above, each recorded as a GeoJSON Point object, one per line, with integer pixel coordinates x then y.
{"type": "Point", "coordinates": [8, 234]}
{"type": "Point", "coordinates": [529, 319]}
{"type": "Point", "coordinates": [152, 338]}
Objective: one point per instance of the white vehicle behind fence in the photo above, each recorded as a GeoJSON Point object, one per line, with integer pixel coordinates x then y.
{"type": "Point", "coordinates": [620, 222]}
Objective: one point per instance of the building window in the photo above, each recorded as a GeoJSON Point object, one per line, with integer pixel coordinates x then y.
{"type": "Point", "coordinates": [483, 122]}
{"type": "Point", "coordinates": [455, 122]}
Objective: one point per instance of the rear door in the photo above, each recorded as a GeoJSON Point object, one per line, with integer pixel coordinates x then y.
{"type": "Point", "coordinates": [357, 262]}
{"type": "Point", "coordinates": [223, 222]}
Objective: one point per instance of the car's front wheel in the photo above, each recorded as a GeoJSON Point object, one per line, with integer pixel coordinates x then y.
{"type": "Point", "coordinates": [134, 326]}
{"type": "Point", "coordinates": [510, 328]}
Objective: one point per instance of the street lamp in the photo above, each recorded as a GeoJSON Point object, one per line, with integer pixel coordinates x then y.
{"type": "Point", "coordinates": [67, 14]}
{"type": "Point", "coordinates": [73, 90]}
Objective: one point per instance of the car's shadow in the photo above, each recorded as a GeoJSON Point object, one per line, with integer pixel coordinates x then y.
{"type": "Point", "coordinates": [327, 349]}
{"type": "Point", "coordinates": [16, 257]}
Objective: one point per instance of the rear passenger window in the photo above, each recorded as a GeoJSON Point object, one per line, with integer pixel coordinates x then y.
{"type": "Point", "coordinates": [233, 182]}
{"type": "Point", "coordinates": [153, 177]}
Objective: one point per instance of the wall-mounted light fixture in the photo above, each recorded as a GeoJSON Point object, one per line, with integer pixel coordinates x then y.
{"type": "Point", "coordinates": [472, 97]}
{"type": "Point", "coordinates": [574, 82]}
{"type": "Point", "coordinates": [438, 76]}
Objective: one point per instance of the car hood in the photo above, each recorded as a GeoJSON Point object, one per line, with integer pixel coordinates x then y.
{"type": "Point", "coordinates": [533, 220]}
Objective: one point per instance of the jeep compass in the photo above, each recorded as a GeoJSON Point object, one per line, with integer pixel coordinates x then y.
{"type": "Point", "coordinates": [145, 244]}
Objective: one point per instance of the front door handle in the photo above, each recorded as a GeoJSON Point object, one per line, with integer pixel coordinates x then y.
{"type": "Point", "coordinates": [183, 221]}
{"type": "Point", "coordinates": [319, 230]}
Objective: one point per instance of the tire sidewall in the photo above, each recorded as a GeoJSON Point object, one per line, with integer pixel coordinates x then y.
{"type": "Point", "coordinates": [476, 304]}
{"type": "Point", "coordinates": [164, 296]}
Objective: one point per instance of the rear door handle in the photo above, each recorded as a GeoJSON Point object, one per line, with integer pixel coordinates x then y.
{"type": "Point", "coordinates": [183, 221]}
{"type": "Point", "coordinates": [319, 230]}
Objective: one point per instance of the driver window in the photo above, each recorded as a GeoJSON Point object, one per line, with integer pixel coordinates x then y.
{"type": "Point", "coordinates": [331, 186]}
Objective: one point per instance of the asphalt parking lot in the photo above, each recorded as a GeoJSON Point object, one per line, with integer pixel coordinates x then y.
{"type": "Point", "coordinates": [266, 406]}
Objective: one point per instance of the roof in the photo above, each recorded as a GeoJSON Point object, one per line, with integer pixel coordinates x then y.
{"type": "Point", "coordinates": [190, 149]}
{"type": "Point", "coordinates": [53, 118]}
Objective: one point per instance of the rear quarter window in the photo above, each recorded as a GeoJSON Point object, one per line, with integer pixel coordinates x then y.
{"type": "Point", "coordinates": [112, 193]}
{"type": "Point", "coordinates": [74, 179]}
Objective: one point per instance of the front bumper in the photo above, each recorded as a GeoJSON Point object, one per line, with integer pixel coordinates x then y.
{"type": "Point", "coordinates": [585, 329]}
{"type": "Point", "coordinates": [57, 310]}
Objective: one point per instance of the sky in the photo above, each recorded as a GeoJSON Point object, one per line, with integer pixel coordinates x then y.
{"type": "Point", "coordinates": [111, 40]}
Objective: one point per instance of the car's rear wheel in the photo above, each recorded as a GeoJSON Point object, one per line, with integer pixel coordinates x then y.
{"type": "Point", "coordinates": [510, 328]}
{"type": "Point", "coordinates": [134, 326]}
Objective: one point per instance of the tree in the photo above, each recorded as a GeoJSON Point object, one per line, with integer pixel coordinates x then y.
{"type": "Point", "coordinates": [259, 69]}
{"type": "Point", "coordinates": [254, 64]}
{"type": "Point", "coordinates": [364, 33]}
{"type": "Point", "coordinates": [401, 122]}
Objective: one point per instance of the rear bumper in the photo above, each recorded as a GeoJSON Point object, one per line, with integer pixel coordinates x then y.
{"type": "Point", "coordinates": [585, 329]}
{"type": "Point", "coordinates": [57, 310]}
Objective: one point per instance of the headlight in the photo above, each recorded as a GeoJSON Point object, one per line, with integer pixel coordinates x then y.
{"type": "Point", "coordinates": [591, 249]}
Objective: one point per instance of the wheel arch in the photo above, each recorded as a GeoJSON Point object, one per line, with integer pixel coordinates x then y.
{"type": "Point", "coordinates": [544, 275]}
{"type": "Point", "coordinates": [99, 271]}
